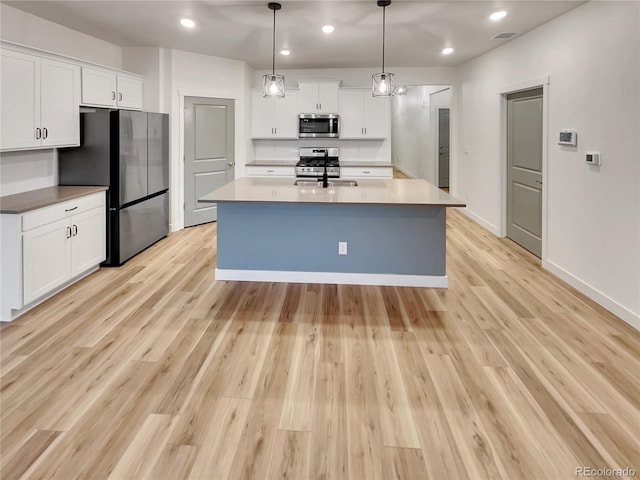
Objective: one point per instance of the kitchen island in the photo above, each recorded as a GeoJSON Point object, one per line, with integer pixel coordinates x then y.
{"type": "Point", "coordinates": [380, 232]}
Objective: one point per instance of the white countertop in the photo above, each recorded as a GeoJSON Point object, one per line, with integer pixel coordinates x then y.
{"type": "Point", "coordinates": [368, 192]}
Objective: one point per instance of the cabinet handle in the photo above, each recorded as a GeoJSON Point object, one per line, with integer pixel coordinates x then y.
{"type": "Point", "coordinates": [366, 171]}
{"type": "Point", "coordinates": [70, 209]}
{"type": "Point", "coordinates": [119, 96]}
{"type": "Point", "coordinates": [45, 133]}
{"type": "Point", "coordinates": [38, 134]}
{"type": "Point", "coordinates": [68, 232]}
{"type": "Point", "coordinates": [113, 94]}
{"type": "Point", "coordinates": [269, 171]}
{"type": "Point", "coordinates": [275, 130]}
{"type": "Point", "coordinates": [75, 230]}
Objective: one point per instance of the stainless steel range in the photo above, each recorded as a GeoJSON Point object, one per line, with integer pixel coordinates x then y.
{"type": "Point", "coordinates": [312, 160]}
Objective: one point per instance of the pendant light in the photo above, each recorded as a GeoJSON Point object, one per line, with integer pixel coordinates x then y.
{"type": "Point", "coordinates": [383, 82]}
{"type": "Point", "coordinates": [273, 84]}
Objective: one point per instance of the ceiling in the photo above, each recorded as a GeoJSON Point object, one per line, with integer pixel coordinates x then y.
{"type": "Point", "coordinates": [417, 31]}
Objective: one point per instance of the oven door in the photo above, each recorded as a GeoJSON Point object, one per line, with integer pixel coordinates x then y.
{"type": "Point", "coordinates": [318, 126]}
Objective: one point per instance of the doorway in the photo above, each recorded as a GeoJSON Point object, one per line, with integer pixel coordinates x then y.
{"type": "Point", "coordinates": [524, 169]}
{"type": "Point", "coordinates": [209, 154]}
{"type": "Point", "coordinates": [443, 148]}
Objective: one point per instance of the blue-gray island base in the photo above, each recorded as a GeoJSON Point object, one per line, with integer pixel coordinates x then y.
{"type": "Point", "coordinates": [282, 239]}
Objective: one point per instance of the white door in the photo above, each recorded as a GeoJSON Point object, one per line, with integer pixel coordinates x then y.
{"type": "Point", "coordinates": [524, 169]}
{"type": "Point", "coordinates": [351, 111]}
{"type": "Point", "coordinates": [286, 116]}
{"type": "Point", "coordinates": [20, 100]}
{"type": "Point", "coordinates": [129, 92]}
{"type": "Point", "coordinates": [308, 98]}
{"type": "Point", "coordinates": [376, 116]}
{"type": "Point", "coordinates": [328, 98]}
{"type": "Point", "coordinates": [99, 88]}
{"type": "Point", "coordinates": [262, 112]}
{"type": "Point", "coordinates": [46, 255]}
{"type": "Point", "coordinates": [88, 239]}
{"type": "Point", "coordinates": [209, 162]}
{"type": "Point", "coordinates": [60, 100]}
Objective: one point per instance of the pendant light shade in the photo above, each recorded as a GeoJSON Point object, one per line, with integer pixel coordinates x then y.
{"type": "Point", "coordinates": [273, 84]}
{"type": "Point", "coordinates": [384, 83]}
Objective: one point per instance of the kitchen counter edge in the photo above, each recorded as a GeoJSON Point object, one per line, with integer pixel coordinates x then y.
{"type": "Point", "coordinates": [24, 202]}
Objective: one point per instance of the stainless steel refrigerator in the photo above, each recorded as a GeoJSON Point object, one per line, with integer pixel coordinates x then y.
{"type": "Point", "coordinates": [128, 151]}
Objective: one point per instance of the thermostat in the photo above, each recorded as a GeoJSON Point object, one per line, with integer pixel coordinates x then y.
{"type": "Point", "coordinates": [593, 158]}
{"type": "Point", "coordinates": [568, 137]}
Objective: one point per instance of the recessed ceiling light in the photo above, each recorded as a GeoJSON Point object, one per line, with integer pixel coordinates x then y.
{"type": "Point", "coordinates": [495, 16]}
{"type": "Point", "coordinates": [328, 28]}
{"type": "Point", "coordinates": [285, 52]}
{"type": "Point", "coordinates": [447, 51]}
{"type": "Point", "coordinates": [187, 22]}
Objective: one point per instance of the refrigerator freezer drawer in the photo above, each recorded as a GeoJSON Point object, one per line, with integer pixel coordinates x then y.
{"type": "Point", "coordinates": [143, 224]}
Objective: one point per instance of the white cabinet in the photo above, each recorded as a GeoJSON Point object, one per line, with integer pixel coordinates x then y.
{"type": "Point", "coordinates": [274, 117]}
{"type": "Point", "coordinates": [49, 247]}
{"type": "Point", "coordinates": [364, 116]}
{"type": "Point", "coordinates": [40, 102]}
{"type": "Point", "coordinates": [109, 89]}
{"type": "Point", "coordinates": [271, 171]}
{"type": "Point", "coordinates": [318, 97]}
{"type": "Point", "coordinates": [367, 172]}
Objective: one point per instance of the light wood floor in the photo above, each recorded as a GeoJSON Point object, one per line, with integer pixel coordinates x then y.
{"type": "Point", "coordinates": [154, 370]}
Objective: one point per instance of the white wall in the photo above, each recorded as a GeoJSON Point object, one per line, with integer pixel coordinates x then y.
{"type": "Point", "coordinates": [21, 27]}
{"type": "Point", "coordinates": [592, 57]}
{"type": "Point", "coordinates": [196, 75]}
{"type": "Point", "coordinates": [28, 170]}
{"type": "Point", "coordinates": [413, 130]}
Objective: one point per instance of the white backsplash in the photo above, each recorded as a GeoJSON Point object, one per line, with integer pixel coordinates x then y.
{"type": "Point", "coordinates": [350, 150]}
{"type": "Point", "coordinates": [27, 170]}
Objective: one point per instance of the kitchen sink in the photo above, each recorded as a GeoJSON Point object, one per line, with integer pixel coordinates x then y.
{"type": "Point", "coordinates": [331, 183]}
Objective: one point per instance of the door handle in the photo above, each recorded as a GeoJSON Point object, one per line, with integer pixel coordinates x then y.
{"type": "Point", "coordinates": [538, 181]}
{"type": "Point", "coordinates": [38, 133]}
{"type": "Point", "coordinates": [75, 230]}
{"type": "Point", "coordinates": [231, 164]}
{"type": "Point", "coordinates": [68, 232]}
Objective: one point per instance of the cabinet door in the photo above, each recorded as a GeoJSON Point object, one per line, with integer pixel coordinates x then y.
{"type": "Point", "coordinates": [286, 116]}
{"type": "Point", "coordinates": [262, 112]}
{"type": "Point", "coordinates": [46, 254]}
{"type": "Point", "coordinates": [308, 98]}
{"type": "Point", "coordinates": [59, 103]}
{"type": "Point", "coordinates": [88, 240]}
{"type": "Point", "coordinates": [351, 111]}
{"type": "Point", "coordinates": [20, 105]}
{"type": "Point", "coordinates": [129, 92]}
{"type": "Point", "coordinates": [98, 87]}
{"type": "Point", "coordinates": [377, 116]}
{"type": "Point", "coordinates": [328, 98]}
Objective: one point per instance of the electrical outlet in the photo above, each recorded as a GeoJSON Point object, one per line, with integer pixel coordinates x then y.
{"type": "Point", "coordinates": [342, 248]}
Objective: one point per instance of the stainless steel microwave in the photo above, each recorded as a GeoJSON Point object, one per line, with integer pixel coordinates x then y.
{"type": "Point", "coordinates": [312, 125]}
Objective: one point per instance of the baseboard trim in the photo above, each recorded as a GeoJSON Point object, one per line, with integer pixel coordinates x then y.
{"type": "Point", "coordinates": [340, 278]}
{"type": "Point", "coordinates": [410, 175]}
{"type": "Point", "coordinates": [481, 221]}
{"type": "Point", "coordinates": [594, 294]}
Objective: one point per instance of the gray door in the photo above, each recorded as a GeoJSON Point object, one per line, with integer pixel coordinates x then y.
{"type": "Point", "coordinates": [133, 155]}
{"type": "Point", "coordinates": [524, 169]}
{"type": "Point", "coordinates": [443, 147]}
{"type": "Point", "coordinates": [209, 154]}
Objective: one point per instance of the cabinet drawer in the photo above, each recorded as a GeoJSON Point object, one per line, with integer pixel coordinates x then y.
{"type": "Point", "coordinates": [363, 172]}
{"type": "Point", "coordinates": [261, 171]}
{"type": "Point", "coordinates": [45, 215]}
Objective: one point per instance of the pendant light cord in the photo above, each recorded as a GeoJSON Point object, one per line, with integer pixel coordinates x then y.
{"type": "Point", "coordinates": [384, 23]}
{"type": "Point", "coordinates": [273, 62]}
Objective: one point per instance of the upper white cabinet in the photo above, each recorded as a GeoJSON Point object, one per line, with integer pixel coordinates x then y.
{"type": "Point", "coordinates": [274, 117]}
{"type": "Point", "coordinates": [318, 97]}
{"type": "Point", "coordinates": [40, 102]}
{"type": "Point", "coordinates": [109, 89]}
{"type": "Point", "coordinates": [364, 116]}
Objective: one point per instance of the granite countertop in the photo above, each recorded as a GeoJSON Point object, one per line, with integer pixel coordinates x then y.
{"type": "Point", "coordinates": [368, 191]}
{"type": "Point", "coordinates": [43, 197]}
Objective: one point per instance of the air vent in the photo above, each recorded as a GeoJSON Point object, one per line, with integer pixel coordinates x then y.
{"type": "Point", "coordinates": [505, 35]}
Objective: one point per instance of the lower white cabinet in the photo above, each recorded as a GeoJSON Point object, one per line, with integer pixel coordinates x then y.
{"type": "Point", "coordinates": [47, 248]}
{"type": "Point", "coordinates": [266, 171]}
{"type": "Point", "coordinates": [366, 172]}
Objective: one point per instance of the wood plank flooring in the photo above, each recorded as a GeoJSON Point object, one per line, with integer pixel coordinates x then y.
{"type": "Point", "coordinates": [154, 370]}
